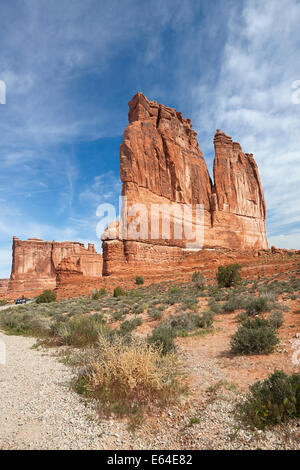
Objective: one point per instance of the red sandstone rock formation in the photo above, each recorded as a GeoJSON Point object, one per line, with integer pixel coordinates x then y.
{"type": "Point", "coordinates": [162, 167]}
{"type": "Point", "coordinates": [3, 286]}
{"type": "Point", "coordinates": [67, 272]}
{"type": "Point", "coordinates": [34, 262]}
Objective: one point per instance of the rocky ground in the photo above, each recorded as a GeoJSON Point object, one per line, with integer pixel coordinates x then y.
{"type": "Point", "coordinates": [39, 409]}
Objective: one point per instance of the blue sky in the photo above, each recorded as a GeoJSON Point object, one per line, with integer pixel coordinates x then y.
{"type": "Point", "coordinates": [70, 69]}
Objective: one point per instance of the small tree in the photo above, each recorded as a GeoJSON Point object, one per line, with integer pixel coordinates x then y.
{"type": "Point", "coordinates": [119, 292]}
{"type": "Point", "coordinates": [228, 276]}
{"type": "Point", "coordinates": [139, 280]}
{"type": "Point", "coordinates": [46, 297]}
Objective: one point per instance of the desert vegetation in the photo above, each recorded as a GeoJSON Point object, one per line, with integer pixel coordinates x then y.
{"type": "Point", "coordinates": [124, 343]}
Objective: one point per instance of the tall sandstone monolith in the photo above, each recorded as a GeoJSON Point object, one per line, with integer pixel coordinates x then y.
{"type": "Point", "coordinates": [162, 168]}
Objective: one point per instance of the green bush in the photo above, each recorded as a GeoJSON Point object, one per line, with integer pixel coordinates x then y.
{"type": "Point", "coordinates": [206, 320]}
{"type": "Point", "coordinates": [78, 332]}
{"type": "Point", "coordinates": [254, 337]}
{"type": "Point", "coordinates": [233, 303]}
{"type": "Point", "coordinates": [119, 292]}
{"type": "Point", "coordinates": [260, 304]}
{"type": "Point", "coordinates": [139, 280]}
{"type": "Point", "coordinates": [99, 293]}
{"type": "Point", "coordinates": [272, 401]}
{"type": "Point", "coordinates": [129, 325]}
{"type": "Point", "coordinates": [163, 337]}
{"type": "Point", "coordinates": [276, 319]}
{"type": "Point", "coordinates": [155, 313]}
{"type": "Point", "coordinates": [46, 297]}
{"type": "Point", "coordinates": [198, 279]}
{"type": "Point", "coordinates": [228, 276]}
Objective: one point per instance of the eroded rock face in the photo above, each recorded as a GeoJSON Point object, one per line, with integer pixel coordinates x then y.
{"type": "Point", "coordinates": [3, 286]}
{"type": "Point", "coordinates": [35, 263]}
{"type": "Point", "coordinates": [162, 167]}
{"type": "Point", "coordinates": [238, 205]}
{"type": "Point", "coordinates": [67, 272]}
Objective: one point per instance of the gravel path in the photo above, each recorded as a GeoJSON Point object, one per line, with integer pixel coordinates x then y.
{"type": "Point", "coordinates": [38, 409]}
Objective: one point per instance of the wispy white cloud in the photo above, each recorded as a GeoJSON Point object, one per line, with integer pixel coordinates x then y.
{"type": "Point", "coordinates": [105, 188]}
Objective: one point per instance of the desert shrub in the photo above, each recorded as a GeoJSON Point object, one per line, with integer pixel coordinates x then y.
{"type": "Point", "coordinates": [184, 323]}
{"type": "Point", "coordinates": [139, 280]}
{"type": "Point", "coordinates": [233, 303]}
{"type": "Point", "coordinates": [260, 304]}
{"type": "Point", "coordinates": [128, 377]}
{"type": "Point", "coordinates": [276, 319]}
{"type": "Point", "coordinates": [273, 400]}
{"type": "Point", "coordinates": [228, 276]}
{"type": "Point", "coordinates": [254, 337]}
{"type": "Point", "coordinates": [155, 313]}
{"type": "Point", "coordinates": [198, 279]}
{"type": "Point", "coordinates": [2, 302]}
{"type": "Point", "coordinates": [96, 295]}
{"type": "Point", "coordinates": [117, 315]}
{"type": "Point", "coordinates": [206, 319]}
{"type": "Point", "coordinates": [163, 337]}
{"type": "Point", "coordinates": [46, 297]}
{"type": "Point", "coordinates": [129, 325]}
{"type": "Point", "coordinates": [139, 308]}
{"type": "Point", "coordinates": [241, 317]}
{"type": "Point", "coordinates": [119, 292]}
{"type": "Point", "coordinates": [78, 332]}
{"type": "Point", "coordinates": [215, 306]}
{"type": "Point", "coordinates": [23, 322]}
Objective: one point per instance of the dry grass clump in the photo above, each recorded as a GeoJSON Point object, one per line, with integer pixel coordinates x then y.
{"type": "Point", "coordinates": [129, 376]}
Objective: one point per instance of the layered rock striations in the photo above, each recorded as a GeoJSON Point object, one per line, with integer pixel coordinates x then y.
{"type": "Point", "coordinates": [162, 168]}
{"type": "Point", "coordinates": [36, 263]}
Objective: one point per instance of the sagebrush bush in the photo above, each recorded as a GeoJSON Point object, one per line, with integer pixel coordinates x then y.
{"type": "Point", "coordinates": [233, 303]}
{"type": "Point", "coordinates": [206, 319]}
{"type": "Point", "coordinates": [254, 337]}
{"type": "Point", "coordinates": [128, 377]}
{"type": "Point", "coordinates": [119, 292]}
{"type": "Point", "coordinates": [139, 280]}
{"type": "Point", "coordinates": [46, 296]}
{"type": "Point", "coordinates": [129, 325]}
{"type": "Point", "coordinates": [96, 295]}
{"type": "Point", "coordinates": [163, 337]}
{"type": "Point", "coordinates": [81, 331]}
{"type": "Point", "coordinates": [23, 322]}
{"type": "Point", "coordinates": [198, 279]}
{"type": "Point", "coordinates": [155, 313]}
{"type": "Point", "coordinates": [228, 276]}
{"type": "Point", "coordinates": [276, 319]}
{"type": "Point", "coordinates": [273, 400]}
{"type": "Point", "coordinates": [263, 303]}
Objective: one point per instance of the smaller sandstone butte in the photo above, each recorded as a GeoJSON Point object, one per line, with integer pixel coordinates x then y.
{"type": "Point", "coordinates": [35, 263]}
{"type": "Point", "coordinates": [67, 272]}
{"type": "Point", "coordinates": [162, 166]}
